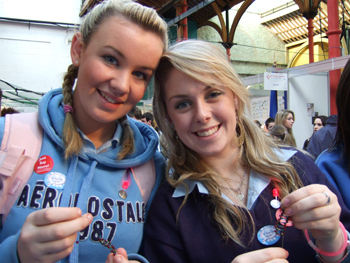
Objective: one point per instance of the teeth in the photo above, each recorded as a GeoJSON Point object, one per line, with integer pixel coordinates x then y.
{"type": "Point", "coordinates": [207, 133]}
{"type": "Point", "coordinates": [108, 98]}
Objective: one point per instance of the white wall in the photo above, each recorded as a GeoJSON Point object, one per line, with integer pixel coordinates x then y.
{"type": "Point", "coordinates": [36, 56]}
{"type": "Point", "coordinates": [307, 89]}
{"type": "Point", "coordinates": [64, 11]}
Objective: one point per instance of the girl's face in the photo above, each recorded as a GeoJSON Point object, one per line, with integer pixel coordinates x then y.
{"type": "Point", "coordinates": [288, 123]}
{"type": "Point", "coordinates": [317, 124]}
{"type": "Point", "coordinates": [204, 117]}
{"type": "Point", "coordinates": [114, 71]}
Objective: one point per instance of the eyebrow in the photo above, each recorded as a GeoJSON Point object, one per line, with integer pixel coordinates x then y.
{"type": "Point", "coordinates": [123, 56]}
{"type": "Point", "coordinates": [179, 96]}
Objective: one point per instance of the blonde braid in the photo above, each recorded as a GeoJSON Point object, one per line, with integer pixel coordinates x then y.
{"type": "Point", "coordinates": [71, 138]}
{"type": "Point", "coordinates": [127, 139]}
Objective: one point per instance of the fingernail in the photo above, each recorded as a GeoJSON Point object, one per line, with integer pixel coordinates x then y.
{"type": "Point", "coordinates": [288, 211]}
{"type": "Point", "coordinates": [79, 211]}
{"type": "Point", "coordinates": [286, 202]}
{"type": "Point", "coordinates": [118, 259]}
{"type": "Point", "coordinates": [88, 215]}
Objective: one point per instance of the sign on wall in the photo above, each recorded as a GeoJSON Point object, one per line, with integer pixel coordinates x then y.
{"type": "Point", "coordinates": [275, 81]}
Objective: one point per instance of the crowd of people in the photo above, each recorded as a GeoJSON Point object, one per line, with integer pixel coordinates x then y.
{"type": "Point", "coordinates": [219, 190]}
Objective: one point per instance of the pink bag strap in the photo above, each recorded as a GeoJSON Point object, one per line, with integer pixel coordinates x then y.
{"type": "Point", "coordinates": [20, 149]}
{"type": "Point", "coordinates": [145, 177]}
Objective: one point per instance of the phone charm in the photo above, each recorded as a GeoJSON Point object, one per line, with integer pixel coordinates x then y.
{"type": "Point", "coordinates": [125, 185]}
{"type": "Point", "coordinates": [281, 225]}
{"type": "Point", "coordinates": [275, 203]}
{"type": "Point", "coordinates": [108, 245]}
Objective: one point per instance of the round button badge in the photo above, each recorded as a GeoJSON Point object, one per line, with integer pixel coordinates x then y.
{"type": "Point", "coordinates": [43, 165]}
{"type": "Point", "coordinates": [123, 194]}
{"type": "Point", "coordinates": [55, 180]}
{"type": "Point", "coordinates": [267, 235]}
{"type": "Point", "coordinates": [275, 203]}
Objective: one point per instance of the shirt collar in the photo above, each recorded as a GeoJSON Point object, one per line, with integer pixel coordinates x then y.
{"type": "Point", "coordinates": [257, 182]}
{"type": "Point", "coordinates": [89, 147]}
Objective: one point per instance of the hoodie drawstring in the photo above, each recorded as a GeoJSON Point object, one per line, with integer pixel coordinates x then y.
{"type": "Point", "coordinates": [83, 193]}
{"type": "Point", "coordinates": [68, 188]}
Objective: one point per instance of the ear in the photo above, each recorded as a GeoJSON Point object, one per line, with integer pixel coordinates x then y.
{"type": "Point", "coordinates": [76, 49]}
{"type": "Point", "coordinates": [236, 101]}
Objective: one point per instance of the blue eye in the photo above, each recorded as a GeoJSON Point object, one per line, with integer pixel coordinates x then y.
{"type": "Point", "coordinates": [182, 105]}
{"type": "Point", "coordinates": [111, 60]}
{"type": "Point", "coordinates": [214, 94]}
{"type": "Point", "coordinates": [140, 75]}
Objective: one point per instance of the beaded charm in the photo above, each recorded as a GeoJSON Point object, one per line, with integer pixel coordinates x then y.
{"type": "Point", "coordinates": [281, 225]}
{"type": "Point", "coordinates": [108, 245]}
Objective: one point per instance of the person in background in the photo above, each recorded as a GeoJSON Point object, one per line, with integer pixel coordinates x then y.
{"type": "Point", "coordinates": [281, 136]}
{"type": "Point", "coordinates": [257, 123]}
{"type": "Point", "coordinates": [83, 193]}
{"type": "Point", "coordinates": [8, 110]}
{"type": "Point", "coordinates": [148, 118]}
{"type": "Point", "coordinates": [227, 182]}
{"type": "Point", "coordinates": [135, 113]}
{"type": "Point", "coordinates": [287, 119]}
{"type": "Point", "coordinates": [324, 138]}
{"type": "Point", "coordinates": [319, 123]}
{"type": "Point", "coordinates": [334, 162]}
{"type": "Point", "coordinates": [269, 123]}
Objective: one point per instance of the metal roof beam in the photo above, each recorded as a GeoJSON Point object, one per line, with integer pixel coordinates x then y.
{"type": "Point", "coordinates": [189, 12]}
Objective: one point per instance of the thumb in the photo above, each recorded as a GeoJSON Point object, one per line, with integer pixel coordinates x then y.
{"type": "Point", "coordinates": [121, 251]}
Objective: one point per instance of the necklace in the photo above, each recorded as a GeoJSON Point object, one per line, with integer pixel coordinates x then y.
{"type": "Point", "coordinates": [237, 190]}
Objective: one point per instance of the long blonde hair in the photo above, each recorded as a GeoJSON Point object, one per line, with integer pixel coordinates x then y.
{"type": "Point", "coordinates": [207, 64]}
{"type": "Point", "coordinates": [147, 19]}
{"type": "Point", "coordinates": [280, 119]}
{"type": "Point", "coordinates": [281, 136]}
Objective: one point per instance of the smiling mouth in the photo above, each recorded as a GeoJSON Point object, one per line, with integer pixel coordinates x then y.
{"type": "Point", "coordinates": [208, 132]}
{"type": "Point", "coordinates": [108, 98]}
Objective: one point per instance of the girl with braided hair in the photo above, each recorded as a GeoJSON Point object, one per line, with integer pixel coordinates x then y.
{"type": "Point", "coordinates": [86, 176]}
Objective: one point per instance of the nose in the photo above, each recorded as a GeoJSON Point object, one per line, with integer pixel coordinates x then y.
{"type": "Point", "coordinates": [202, 111]}
{"type": "Point", "coordinates": [120, 82]}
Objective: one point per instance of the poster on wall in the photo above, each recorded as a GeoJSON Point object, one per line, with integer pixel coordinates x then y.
{"type": "Point", "coordinates": [261, 109]}
{"type": "Point", "coordinates": [310, 109]}
{"type": "Point", "coordinates": [280, 103]}
{"type": "Point", "coordinates": [275, 81]}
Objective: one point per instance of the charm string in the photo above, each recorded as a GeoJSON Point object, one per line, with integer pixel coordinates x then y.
{"type": "Point", "coordinates": [281, 225]}
{"type": "Point", "coordinates": [108, 245]}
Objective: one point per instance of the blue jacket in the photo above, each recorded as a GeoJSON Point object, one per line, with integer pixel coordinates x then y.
{"type": "Point", "coordinates": [336, 169]}
{"type": "Point", "coordinates": [323, 138]}
{"type": "Point", "coordinates": [89, 181]}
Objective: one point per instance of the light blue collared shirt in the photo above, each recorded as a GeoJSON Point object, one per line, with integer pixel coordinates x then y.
{"type": "Point", "coordinates": [89, 147]}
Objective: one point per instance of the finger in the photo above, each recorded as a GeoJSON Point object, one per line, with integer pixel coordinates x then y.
{"type": "Point", "coordinates": [118, 258]}
{"type": "Point", "coordinates": [274, 254]}
{"type": "Point", "coordinates": [53, 215]}
{"type": "Point", "coordinates": [110, 258]}
{"type": "Point", "coordinates": [57, 246]}
{"type": "Point", "coordinates": [325, 225]}
{"type": "Point", "coordinates": [122, 251]}
{"type": "Point", "coordinates": [303, 193]}
{"type": "Point", "coordinates": [57, 256]}
{"type": "Point", "coordinates": [318, 214]}
{"type": "Point", "coordinates": [62, 230]}
{"type": "Point", "coordinates": [328, 203]}
{"type": "Point", "coordinates": [41, 256]}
